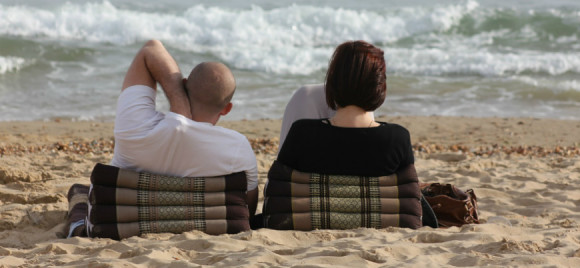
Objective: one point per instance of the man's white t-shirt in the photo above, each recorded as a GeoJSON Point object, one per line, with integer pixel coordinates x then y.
{"type": "Point", "coordinates": [171, 144]}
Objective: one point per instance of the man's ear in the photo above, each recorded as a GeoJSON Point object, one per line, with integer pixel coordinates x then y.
{"type": "Point", "coordinates": [226, 109]}
{"type": "Point", "coordinates": [184, 83]}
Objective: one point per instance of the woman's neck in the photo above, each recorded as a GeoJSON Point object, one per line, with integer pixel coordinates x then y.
{"type": "Point", "coordinates": [353, 116]}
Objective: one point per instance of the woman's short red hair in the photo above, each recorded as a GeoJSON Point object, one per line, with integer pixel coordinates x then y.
{"type": "Point", "coordinates": [356, 76]}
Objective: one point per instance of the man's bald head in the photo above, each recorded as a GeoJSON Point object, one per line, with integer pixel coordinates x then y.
{"type": "Point", "coordinates": [210, 86]}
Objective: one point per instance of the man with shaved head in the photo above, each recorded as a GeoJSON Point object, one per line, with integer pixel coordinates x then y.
{"type": "Point", "coordinates": [184, 142]}
{"type": "Point", "coordinates": [211, 88]}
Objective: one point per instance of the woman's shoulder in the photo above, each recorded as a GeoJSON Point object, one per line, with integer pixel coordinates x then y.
{"type": "Point", "coordinates": [307, 123]}
{"type": "Point", "coordinates": [395, 131]}
{"type": "Point", "coordinates": [393, 127]}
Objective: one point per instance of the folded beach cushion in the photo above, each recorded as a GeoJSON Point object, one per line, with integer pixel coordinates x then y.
{"type": "Point", "coordinates": [308, 201]}
{"type": "Point", "coordinates": [124, 203]}
{"type": "Point", "coordinates": [104, 195]}
{"type": "Point", "coordinates": [78, 197]}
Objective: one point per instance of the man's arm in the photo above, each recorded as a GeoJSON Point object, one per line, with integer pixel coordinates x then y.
{"type": "Point", "coordinates": [252, 199]}
{"type": "Point", "coordinates": [153, 64]}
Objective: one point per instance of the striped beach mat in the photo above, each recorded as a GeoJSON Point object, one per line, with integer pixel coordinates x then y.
{"type": "Point", "coordinates": [78, 197]}
{"type": "Point", "coordinates": [121, 203]}
{"type": "Point", "coordinates": [309, 201]}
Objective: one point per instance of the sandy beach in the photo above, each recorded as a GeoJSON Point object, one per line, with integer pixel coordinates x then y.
{"type": "Point", "coordinates": [524, 171]}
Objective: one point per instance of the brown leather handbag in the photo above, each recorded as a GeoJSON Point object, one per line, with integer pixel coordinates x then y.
{"type": "Point", "coordinates": [452, 206]}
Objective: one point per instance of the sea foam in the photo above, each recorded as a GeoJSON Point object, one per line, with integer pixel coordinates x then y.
{"type": "Point", "coordinates": [9, 64]}
{"type": "Point", "coordinates": [452, 39]}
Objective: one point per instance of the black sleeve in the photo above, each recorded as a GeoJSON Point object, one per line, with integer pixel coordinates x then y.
{"type": "Point", "coordinates": [408, 158]}
{"type": "Point", "coordinates": [288, 153]}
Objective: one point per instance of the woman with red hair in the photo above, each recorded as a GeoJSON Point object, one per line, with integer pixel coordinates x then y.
{"type": "Point", "coordinates": [349, 141]}
{"type": "Point", "coordinates": [342, 140]}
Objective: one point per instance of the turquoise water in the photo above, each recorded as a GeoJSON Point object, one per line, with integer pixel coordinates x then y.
{"type": "Point", "coordinates": [62, 59]}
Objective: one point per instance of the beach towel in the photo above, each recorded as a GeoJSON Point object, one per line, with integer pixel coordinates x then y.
{"type": "Point", "coordinates": [121, 203]}
{"type": "Point", "coordinates": [309, 201]}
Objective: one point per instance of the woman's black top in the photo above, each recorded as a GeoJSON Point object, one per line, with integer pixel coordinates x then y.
{"type": "Point", "coordinates": [314, 145]}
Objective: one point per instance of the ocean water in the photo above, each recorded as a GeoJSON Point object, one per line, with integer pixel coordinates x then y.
{"type": "Point", "coordinates": [67, 59]}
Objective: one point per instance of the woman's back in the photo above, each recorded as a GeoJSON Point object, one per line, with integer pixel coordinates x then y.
{"type": "Point", "coordinates": [315, 145]}
{"type": "Point", "coordinates": [329, 171]}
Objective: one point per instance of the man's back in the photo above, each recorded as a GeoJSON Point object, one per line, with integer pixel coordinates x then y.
{"type": "Point", "coordinates": [171, 144]}
{"type": "Point", "coordinates": [184, 142]}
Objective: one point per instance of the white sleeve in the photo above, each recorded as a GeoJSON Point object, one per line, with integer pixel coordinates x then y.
{"type": "Point", "coordinates": [308, 102]}
{"type": "Point", "coordinates": [136, 111]}
{"type": "Point", "coordinates": [247, 159]}
{"type": "Point", "coordinates": [252, 175]}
